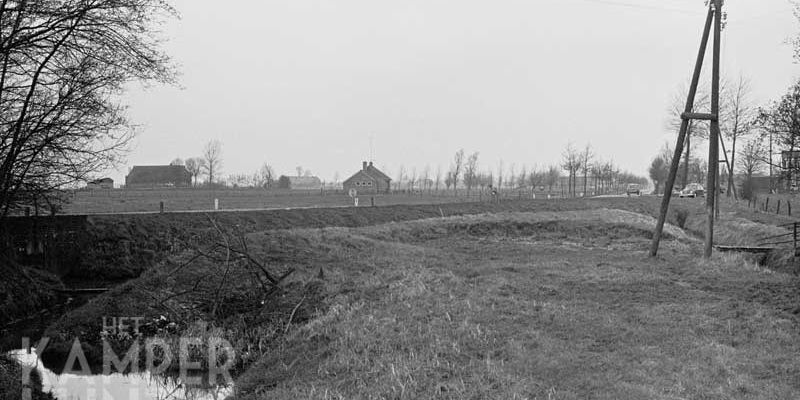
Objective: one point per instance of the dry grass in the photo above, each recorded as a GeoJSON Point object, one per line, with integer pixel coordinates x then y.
{"type": "Point", "coordinates": [556, 304]}
{"type": "Point", "coordinates": [481, 316]}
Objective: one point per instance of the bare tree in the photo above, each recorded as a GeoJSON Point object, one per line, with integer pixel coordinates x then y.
{"type": "Point", "coordinates": [448, 180]}
{"type": "Point", "coordinates": [265, 176]}
{"type": "Point", "coordinates": [426, 178]}
{"type": "Point", "coordinates": [401, 176]}
{"type": "Point", "coordinates": [195, 167]}
{"type": "Point", "coordinates": [500, 175]}
{"type": "Point", "coordinates": [471, 172]}
{"type": "Point", "coordinates": [438, 177]}
{"type": "Point", "coordinates": [738, 122]}
{"type": "Point", "coordinates": [178, 162]}
{"type": "Point", "coordinates": [522, 180]}
{"type": "Point", "coordinates": [412, 179]}
{"type": "Point", "coordinates": [553, 176]}
{"type": "Point", "coordinates": [586, 158]}
{"type": "Point", "coordinates": [536, 178]}
{"type": "Point", "coordinates": [753, 158]}
{"type": "Point", "coordinates": [299, 170]}
{"type": "Point", "coordinates": [212, 157]}
{"type": "Point", "coordinates": [455, 169]}
{"type": "Point", "coordinates": [512, 176]}
{"type": "Point", "coordinates": [63, 65]}
{"type": "Point", "coordinates": [571, 162]}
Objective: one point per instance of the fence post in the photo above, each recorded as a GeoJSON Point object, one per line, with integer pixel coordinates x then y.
{"type": "Point", "coordinates": [795, 238]}
{"type": "Point", "coordinates": [778, 211]}
{"type": "Point", "coordinates": [766, 205]}
{"type": "Point", "coordinates": [789, 206]}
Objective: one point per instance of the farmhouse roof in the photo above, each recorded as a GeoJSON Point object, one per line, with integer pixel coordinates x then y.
{"type": "Point", "coordinates": [372, 170]}
{"type": "Point", "coordinates": [158, 174]}
{"type": "Point", "coordinates": [101, 180]}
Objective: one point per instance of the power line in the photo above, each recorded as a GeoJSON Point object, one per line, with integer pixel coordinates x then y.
{"type": "Point", "coordinates": [644, 6]}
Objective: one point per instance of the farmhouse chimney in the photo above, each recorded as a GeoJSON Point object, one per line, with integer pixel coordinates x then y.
{"type": "Point", "coordinates": [364, 165]}
{"type": "Point", "coordinates": [370, 163]}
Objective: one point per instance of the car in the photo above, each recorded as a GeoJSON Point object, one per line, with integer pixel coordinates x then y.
{"type": "Point", "coordinates": [692, 190]}
{"type": "Point", "coordinates": [633, 188]}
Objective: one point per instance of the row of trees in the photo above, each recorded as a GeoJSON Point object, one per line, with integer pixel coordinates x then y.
{"type": "Point", "coordinates": [209, 164]}
{"type": "Point", "coordinates": [738, 122]}
{"type": "Point", "coordinates": [751, 135]}
{"type": "Point", "coordinates": [465, 172]}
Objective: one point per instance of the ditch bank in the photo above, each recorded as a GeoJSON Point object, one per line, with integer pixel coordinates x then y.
{"type": "Point", "coordinates": [107, 250]}
{"type": "Point", "coordinates": [113, 248]}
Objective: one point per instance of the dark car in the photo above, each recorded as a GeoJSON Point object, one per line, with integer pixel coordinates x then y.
{"type": "Point", "coordinates": [693, 190]}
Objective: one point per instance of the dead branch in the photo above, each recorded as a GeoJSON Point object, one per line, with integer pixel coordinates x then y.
{"type": "Point", "coordinates": [291, 317]}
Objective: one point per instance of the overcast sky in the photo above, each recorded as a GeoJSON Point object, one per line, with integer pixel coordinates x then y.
{"type": "Point", "coordinates": [308, 82]}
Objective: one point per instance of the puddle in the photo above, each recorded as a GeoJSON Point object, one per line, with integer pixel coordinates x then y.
{"type": "Point", "coordinates": [134, 386]}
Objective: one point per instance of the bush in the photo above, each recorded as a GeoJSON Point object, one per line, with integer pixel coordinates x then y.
{"type": "Point", "coordinates": [681, 216]}
{"type": "Point", "coordinates": [748, 189]}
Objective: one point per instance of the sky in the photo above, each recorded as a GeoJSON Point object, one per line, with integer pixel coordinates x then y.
{"type": "Point", "coordinates": [325, 84]}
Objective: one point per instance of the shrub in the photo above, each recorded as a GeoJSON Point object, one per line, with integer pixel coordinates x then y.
{"type": "Point", "coordinates": [748, 189]}
{"type": "Point", "coordinates": [681, 216]}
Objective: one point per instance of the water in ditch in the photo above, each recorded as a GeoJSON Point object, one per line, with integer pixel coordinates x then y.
{"type": "Point", "coordinates": [117, 386]}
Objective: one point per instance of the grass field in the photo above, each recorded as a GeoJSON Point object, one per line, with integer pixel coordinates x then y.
{"type": "Point", "coordinates": [556, 301]}
{"type": "Point", "coordinates": [149, 200]}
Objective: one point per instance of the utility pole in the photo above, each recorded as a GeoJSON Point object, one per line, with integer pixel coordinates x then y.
{"type": "Point", "coordinates": [714, 15]}
{"type": "Point", "coordinates": [713, 145]}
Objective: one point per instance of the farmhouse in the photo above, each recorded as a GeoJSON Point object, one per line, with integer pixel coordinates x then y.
{"type": "Point", "coordinates": [368, 180]}
{"type": "Point", "coordinates": [150, 176]}
{"type": "Point", "coordinates": [104, 183]}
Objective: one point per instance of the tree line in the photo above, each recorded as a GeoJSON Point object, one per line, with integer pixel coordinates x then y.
{"type": "Point", "coordinates": [752, 136]}
{"type": "Point", "coordinates": [586, 173]}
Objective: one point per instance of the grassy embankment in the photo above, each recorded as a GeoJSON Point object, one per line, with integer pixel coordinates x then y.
{"type": "Point", "coordinates": [124, 246]}
{"type": "Point", "coordinates": [519, 305]}
{"type": "Point", "coordinates": [120, 247]}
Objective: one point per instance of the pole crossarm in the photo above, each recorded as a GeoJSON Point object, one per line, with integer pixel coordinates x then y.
{"type": "Point", "coordinates": [700, 116]}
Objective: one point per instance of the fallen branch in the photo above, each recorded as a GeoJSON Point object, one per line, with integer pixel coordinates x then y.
{"type": "Point", "coordinates": [291, 317]}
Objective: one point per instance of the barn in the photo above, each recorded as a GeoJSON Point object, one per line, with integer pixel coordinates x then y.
{"type": "Point", "coordinates": [368, 180]}
{"type": "Point", "coordinates": [152, 176]}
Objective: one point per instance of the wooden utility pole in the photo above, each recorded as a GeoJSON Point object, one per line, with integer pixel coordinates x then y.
{"type": "Point", "coordinates": [676, 158]}
{"type": "Point", "coordinates": [713, 143]}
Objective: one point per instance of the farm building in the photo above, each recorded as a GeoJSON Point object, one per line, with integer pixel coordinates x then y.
{"type": "Point", "coordinates": [299, 182]}
{"type": "Point", "coordinates": [148, 176]}
{"type": "Point", "coordinates": [368, 180]}
{"type": "Point", "coordinates": [104, 183]}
